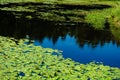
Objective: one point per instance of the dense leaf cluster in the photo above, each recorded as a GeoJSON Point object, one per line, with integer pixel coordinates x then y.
{"type": "Point", "coordinates": [28, 62]}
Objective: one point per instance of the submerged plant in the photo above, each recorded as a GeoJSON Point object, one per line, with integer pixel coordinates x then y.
{"type": "Point", "coordinates": [22, 61]}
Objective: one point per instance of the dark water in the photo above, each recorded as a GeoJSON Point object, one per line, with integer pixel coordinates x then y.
{"type": "Point", "coordinates": [80, 43]}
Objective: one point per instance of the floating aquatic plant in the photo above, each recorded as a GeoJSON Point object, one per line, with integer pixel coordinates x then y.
{"type": "Point", "coordinates": [21, 61]}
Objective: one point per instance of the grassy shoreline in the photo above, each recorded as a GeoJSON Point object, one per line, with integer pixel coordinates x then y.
{"type": "Point", "coordinates": [21, 61]}
{"type": "Point", "coordinates": [94, 13]}
{"type": "Point", "coordinates": [102, 15]}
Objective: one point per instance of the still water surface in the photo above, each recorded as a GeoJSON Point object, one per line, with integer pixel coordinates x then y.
{"type": "Point", "coordinates": [109, 53]}
{"type": "Point", "coordinates": [80, 43]}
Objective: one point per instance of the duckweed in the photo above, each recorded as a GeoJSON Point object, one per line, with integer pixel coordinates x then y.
{"type": "Point", "coordinates": [28, 62]}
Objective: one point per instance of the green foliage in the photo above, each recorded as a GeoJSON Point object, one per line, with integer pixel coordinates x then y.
{"type": "Point", "coordinates": [14, 1]}
{"type": "Point", "coordinates": [28, 62]}
{"type": "Point", "coordinates": [96, 19]}
{"type": "Point", "coordinates": [52, 12]}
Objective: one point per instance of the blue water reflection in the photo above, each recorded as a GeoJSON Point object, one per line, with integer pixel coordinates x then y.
{"type": "Point", "coordinates": [109, 53]}
{"type": "Point", "coordinates": [80, 42]}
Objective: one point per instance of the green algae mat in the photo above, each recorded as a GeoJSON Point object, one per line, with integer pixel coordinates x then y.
{"type": "Point", "coordinates": [20, 61]}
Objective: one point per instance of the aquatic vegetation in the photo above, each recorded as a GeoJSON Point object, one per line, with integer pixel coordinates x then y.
{"type": "Point", "coordinates": [18, 9]}
{"type": "Point", "coordinates": [14, 1]}
{"type": "Point", "coordinates": [51, 9]}
{"type": "Point", "coordinates": [60, 10]}
{"type": "Point", "coordinates": [21, 61]}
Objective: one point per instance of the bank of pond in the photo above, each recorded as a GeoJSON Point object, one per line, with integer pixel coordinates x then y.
{"type": "Point", "coordinates": [59, 40]}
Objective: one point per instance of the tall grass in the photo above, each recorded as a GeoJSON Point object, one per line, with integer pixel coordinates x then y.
{"type": "Point", "coordinates": [98, 18]}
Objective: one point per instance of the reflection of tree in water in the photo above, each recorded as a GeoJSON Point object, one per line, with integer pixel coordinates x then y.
{"type": "Point", "coordinates": [92, 37]}
{"type": "Point", "coordinates": [39, 29]}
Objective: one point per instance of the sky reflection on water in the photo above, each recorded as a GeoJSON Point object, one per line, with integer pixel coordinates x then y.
{"type": "Point", "coordinates": [109, 53]}
{"type": "Point", "coordinates": [81, 42]}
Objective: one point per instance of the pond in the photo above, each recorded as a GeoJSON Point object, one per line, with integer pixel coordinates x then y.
{"type": "Point", "coordinates": [80, 42]}
{"type": "Point", "coordinates": [84, 45]}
